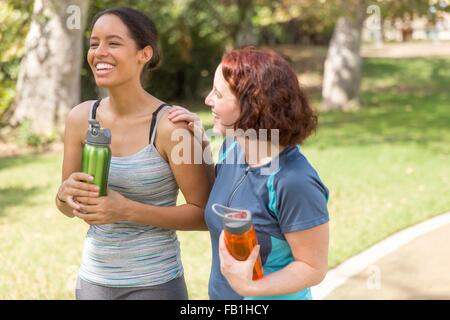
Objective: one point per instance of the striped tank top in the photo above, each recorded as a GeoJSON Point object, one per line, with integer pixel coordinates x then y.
{"type": "Point", "coordinates": [126, 254]}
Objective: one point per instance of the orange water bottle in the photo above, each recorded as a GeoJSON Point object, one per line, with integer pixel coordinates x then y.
{"type": "Point", "coordinates": [240, 235]}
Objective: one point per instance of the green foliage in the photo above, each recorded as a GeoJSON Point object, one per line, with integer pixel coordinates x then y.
{"type": "Point", "coordinates": [27, 138]}
{"type": "Point", "coordinates": [194, 34]}
{"type": "Point", "coordinates": [295, 21]}
{"type": "Point", "coordinates": [410, 8]}
{"type": "Point", "coordinates": [15, 19]}
{"type": "Point", "coordinates": [191, 49]}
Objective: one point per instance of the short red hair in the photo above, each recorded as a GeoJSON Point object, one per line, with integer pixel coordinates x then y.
{"type": "Point", "coordinates": [269, 94]}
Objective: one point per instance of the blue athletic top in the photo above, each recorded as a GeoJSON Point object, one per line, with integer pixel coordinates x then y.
{"type": "Point", "coordinates": [290, 197]}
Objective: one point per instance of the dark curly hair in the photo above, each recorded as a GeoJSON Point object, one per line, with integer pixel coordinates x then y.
{"type": "Point", "coordinates": [269, 95]}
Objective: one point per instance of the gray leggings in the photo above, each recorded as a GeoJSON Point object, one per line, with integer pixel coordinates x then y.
{"type": "Point", "coordinates": [172, 290]}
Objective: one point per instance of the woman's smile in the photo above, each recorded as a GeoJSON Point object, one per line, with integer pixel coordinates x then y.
{"type": "Point", "coordinates": [103, 69]}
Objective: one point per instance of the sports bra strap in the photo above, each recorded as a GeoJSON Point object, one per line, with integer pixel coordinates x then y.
{"type": "Point", "coordinates": [154, 122]}
{"type": "Point", "coordinates": [94, 107]}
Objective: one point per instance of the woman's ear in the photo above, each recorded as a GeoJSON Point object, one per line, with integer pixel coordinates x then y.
{"type": "Point", "coordinates": [146, 54]}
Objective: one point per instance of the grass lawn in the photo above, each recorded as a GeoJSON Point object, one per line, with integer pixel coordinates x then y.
{"type": "Point", "coordinates": [387, 167]}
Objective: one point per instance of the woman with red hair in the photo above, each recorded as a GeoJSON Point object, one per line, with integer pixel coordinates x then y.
{"type": "Point", "coordinates": [259, 107]}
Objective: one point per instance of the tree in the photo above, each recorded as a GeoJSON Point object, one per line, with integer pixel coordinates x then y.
{"type": "Point", "coordinates": [48, 84]}
{"type": "Point", "coordinates": [342, 72]}
{"type": "Point", "coordinates": [15, 16]}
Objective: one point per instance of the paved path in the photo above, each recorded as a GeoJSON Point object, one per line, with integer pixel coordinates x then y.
{"type": "Point", "coordinates": [417, 269]}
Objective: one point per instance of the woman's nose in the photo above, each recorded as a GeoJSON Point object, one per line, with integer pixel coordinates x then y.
{"type": "Point", "coordinates": [100, 51]}
{"type": "Point", "coordinates": [208, 100]}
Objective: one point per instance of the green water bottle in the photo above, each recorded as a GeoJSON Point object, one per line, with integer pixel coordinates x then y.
{"type": "Point", "coordinates": [97, 155]}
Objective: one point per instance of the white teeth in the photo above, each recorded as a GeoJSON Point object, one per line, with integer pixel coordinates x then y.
{"type": "Point", "coordinates": [101, 66]}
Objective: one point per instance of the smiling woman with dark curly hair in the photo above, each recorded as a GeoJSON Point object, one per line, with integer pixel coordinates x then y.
{"type": "Point", "coordinates": [258, 91]}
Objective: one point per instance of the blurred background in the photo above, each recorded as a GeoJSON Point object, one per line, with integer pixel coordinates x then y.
{"type": "Point", "coordinates": [377, 71]}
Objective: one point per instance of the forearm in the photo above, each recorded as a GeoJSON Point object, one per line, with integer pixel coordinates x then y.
{"type": "Point", "coordinates": [183, 217]}
{"type": "Point", "coordinates": [294, 277]}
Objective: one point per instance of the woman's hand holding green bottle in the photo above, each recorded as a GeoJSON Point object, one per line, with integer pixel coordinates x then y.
{"type": "Point", "coordinates": [83, 198]}
{"type": "Point", "coordinates": [102, 210]}
{"type": "Point", "coordinates": [75, 186]}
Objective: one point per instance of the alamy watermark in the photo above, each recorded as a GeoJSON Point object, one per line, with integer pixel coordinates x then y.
{"type": "Point", "coordinates": [73, 21]}
{"type": "Point", "coordinates": [373, 24]}
{"type": "Point", "coordinates": [260, 146]}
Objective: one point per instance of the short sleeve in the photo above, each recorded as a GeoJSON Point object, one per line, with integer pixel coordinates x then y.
{"type": "Point", "coordinates": [301, 203]}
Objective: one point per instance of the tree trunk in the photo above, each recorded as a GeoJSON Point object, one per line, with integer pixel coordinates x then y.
{"type": "Point", "coordinates": [342, 70]}
{"type": "Point", "coordinates": [48, 84]}
{"type": "Point", "coordinates": [244, 33]}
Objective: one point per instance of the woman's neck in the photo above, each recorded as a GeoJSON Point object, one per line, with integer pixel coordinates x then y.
{"type": "Point", "coordinates": [259, 152]}
{"type": "Point", "coordinates": [130, 98]}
